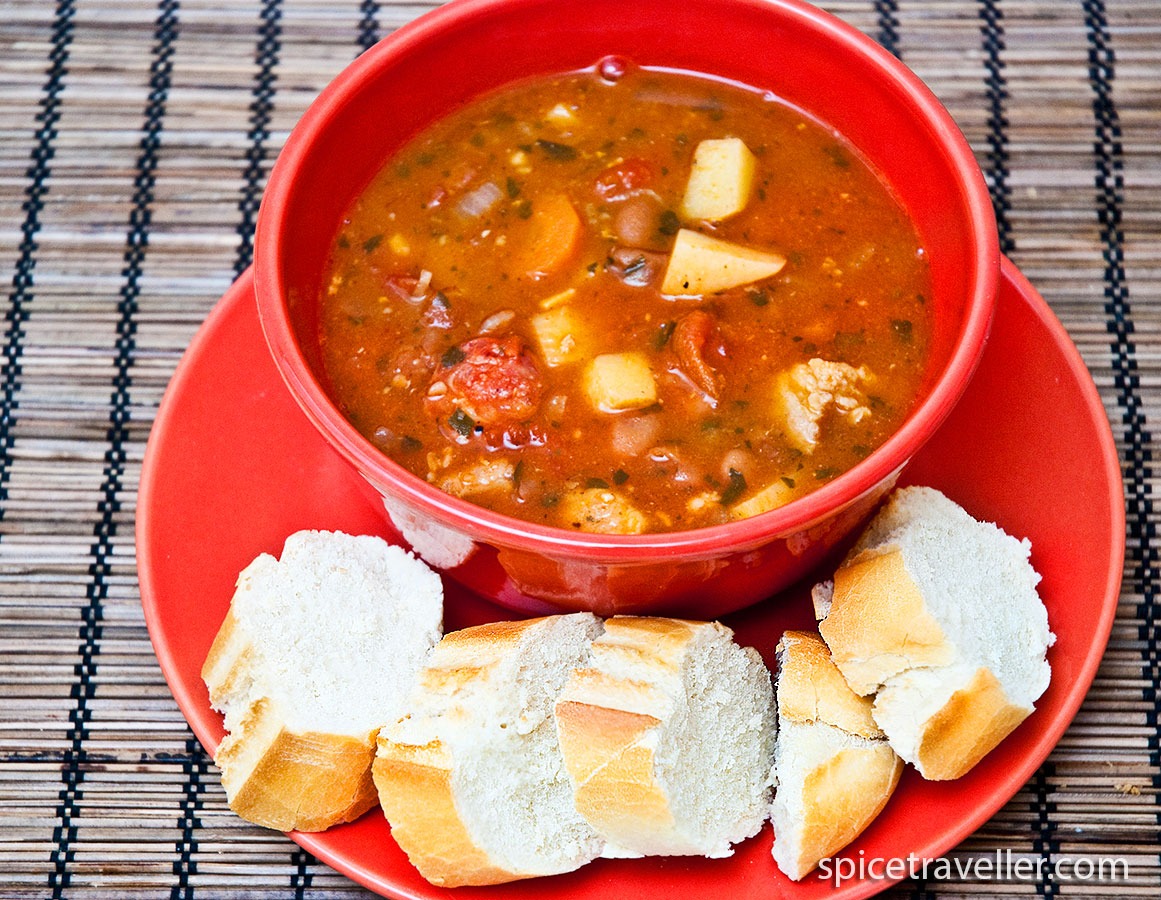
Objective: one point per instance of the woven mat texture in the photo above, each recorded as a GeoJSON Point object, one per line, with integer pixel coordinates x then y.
{"type": "Point", "coordinates": [135, 139]}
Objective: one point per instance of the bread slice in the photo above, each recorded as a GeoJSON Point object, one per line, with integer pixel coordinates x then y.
{"type": "Point", "coordinates": [833, 770]}
{"type": "Point", "coordinates": [668, 737]}
{"type": "Point", "coordinates": [937, 615]}
{"type": "Point", "coordinates": [317, 651]}
{"type": "Point", "coordinates": [471, 778]}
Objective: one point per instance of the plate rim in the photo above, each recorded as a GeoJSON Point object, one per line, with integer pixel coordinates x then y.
{"type": "Point", "coordinates": [1012, 279]}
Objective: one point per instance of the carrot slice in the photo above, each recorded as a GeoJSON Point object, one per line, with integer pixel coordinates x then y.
{"type": "Point", "coordinates": [551, 238]}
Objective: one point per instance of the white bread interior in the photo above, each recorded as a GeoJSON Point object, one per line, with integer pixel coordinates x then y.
{"type": "Point", "coordinates": [471, 777]}
{"type": "Point", "coordinates": [937, 615]}
{"type": "Point", "coordinates": [668, 738]}
{"type": "Point", "coordinates": [318, 650]}
{"type": "Point", "coordinates": [833, 770]}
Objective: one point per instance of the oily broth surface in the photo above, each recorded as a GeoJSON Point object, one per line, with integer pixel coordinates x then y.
{"type": "Point", "coordinates": [460, 202]}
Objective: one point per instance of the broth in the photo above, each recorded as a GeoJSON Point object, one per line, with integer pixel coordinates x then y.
{"type": "Point", "coordinates": [625, 300]}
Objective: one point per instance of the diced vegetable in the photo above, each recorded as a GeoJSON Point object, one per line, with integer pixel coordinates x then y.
{"type": "Point", "coordinates": [558, 331]}
{"type": "Point", "coordinates": [776, 494]}
{"type": "Point", "coordinates": [700, 264]}
{"type": "Point", "coordinates": [550, 239]}
{"type": "Point", "coordinates": [616, 381]}
{"type": "Point", "coordinates": [720, 181]}
{"type": "Point", "coordinates": [477, 202]}
{"type": "Point", "coordinates": [601, 510]}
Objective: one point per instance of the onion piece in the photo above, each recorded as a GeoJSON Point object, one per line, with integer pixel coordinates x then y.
{"type": "Point", "coordinates": [477, 202]}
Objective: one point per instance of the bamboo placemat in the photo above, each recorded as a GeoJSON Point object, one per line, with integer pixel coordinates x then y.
{"type": "Point", "coordinates": [135, 139]}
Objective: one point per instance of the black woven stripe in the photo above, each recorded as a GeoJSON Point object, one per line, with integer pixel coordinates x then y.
{"type": "Point", "coordinates": [888, 34]}
{"type": "Point", "coordinates": [21, 296]}
{"type": "Point", "coordinates": [992, 29]}
{"type": "Point", "coordinates": [1045, 842]}
{"type": "Point", "coordinates": [266, 56]}
{"type": "Point", "coordinates": [369, 33]}
{"type": "Point", "coordinates": [1141, 551]}
{"type": "Point", "coordinates": [112, 485]}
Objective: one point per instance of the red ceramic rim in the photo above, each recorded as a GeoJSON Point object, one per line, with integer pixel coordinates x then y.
{"type": "Point", "coordinates": [484, 524]}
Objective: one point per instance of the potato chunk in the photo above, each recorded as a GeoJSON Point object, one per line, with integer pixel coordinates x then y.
{"type": "Point", "coordinates": [558, 331]}
{"type": "Point", "coordinates": [616, 381]}
{"type": "Point", "coordinates": [600, 510]}
{"type": "Point", "coordinates": [700, 264]}
{"type": "Point", "coordinates": [720, 181]}
{"type": "Point", "coordinates": [776, 494]}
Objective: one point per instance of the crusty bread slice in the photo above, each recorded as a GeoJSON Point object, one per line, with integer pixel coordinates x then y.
{"type": "Point", "coordinates": [317, 651]}
{"type": "Point", "coordinates": [937, 615]}
{"type": "Point", "coordinates": [471, 778]}
{"type": "Point", "coordinates": [668, 737]}
{"type": "Point", "coordinates": [833, 770]}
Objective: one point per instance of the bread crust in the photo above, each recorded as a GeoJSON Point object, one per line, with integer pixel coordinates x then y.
{"type": "Point", "coordinates": [415, 790]}
{"type": "Point", "coordinates": [879, 624]}
{"type": "Point", "coordinates": [812, 689]}
{"type": "Point", "coordinates": [843, 791]}
{"type": "Point", "coordinates": [967, 727]}
{"type": "Point", "coordinates": [843, 795]}
{"type": "Point", "coordinates": [275, 777]}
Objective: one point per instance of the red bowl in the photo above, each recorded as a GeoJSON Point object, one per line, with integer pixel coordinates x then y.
{"type": "Point", "coordinates": [470, 47]}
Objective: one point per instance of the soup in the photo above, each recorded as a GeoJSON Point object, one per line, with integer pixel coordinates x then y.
{"type": "Point", "coordinates": [626, 301]}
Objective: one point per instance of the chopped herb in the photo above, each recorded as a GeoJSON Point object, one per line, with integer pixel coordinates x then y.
{"type": "Point", "coordinates": [670, 223]}
{"type": "Point", "coordinates": [550, 500]}
{"type": "Point", "coordinates": [344, 242]}
{"type": "Point", "coordinates": [635, 266]}
{"type": "Point", "coordinates": [860, 450]}
{"type": "Point", "coordinates": [921, 299]}
{"type": "Point", "coordinates": [451, 357]}
{"type": "Point", "coordinates": [902, 329]}
{"type": "Point", "coordinates": [461, 422]}
{"type": "Point", "coordinates": [711, 424]}
{"type": "Point", "coordinates": [372, 242]}
{"type": "Point", "coordinates": [597, 483]}
{"type": "Point", "coordinates": [762, 194]}
{"type": "Point", "coordinates": [681, 139]}
{"type": "Point", "coordinates": [662, 335]}
{"type": "Point", "coordinates": [795, 258]}
{"type": "Point", "coordinates": [504, 118]}
{"type": "Point", "coordinates": [735, 488]}
{"type": "Point", "coordinates": [355, 320]}
{"type": "Point", "coordinates": [788, 481]}
{"type": "Point", "coordinates": [810, 348]}
{"type": "Point", "coordinates": [838, 156]}
{"type": "Point", "coordinates": [637, 132]}
{"type": "Point", "coordinates": [592, 268]}
{"type": "Point", "coordinates": [403, 170]}
{"type": "Point", "coordinates": [877, 402]}
{"type": "Point", "coordinates": [825, 474]}
{"type": "Point", "coordinates": [440, 299]}
{"type": "Point", "coordinates": [524, 209]}
{"type": "Point", "coordinates": [408, 444]}
{"type": "Point", "coordinates": [477, 139]}
{"type": "Point", "coordinates": [620, 476]}
{"type": "Point", "coordinates": [513, 188]}
{"type": "Point", "coordinates": [759, 298]}
{"type": "Point", "coordinates": [559, 152]}
{"type": "Point", "coordinates": [426, 158]}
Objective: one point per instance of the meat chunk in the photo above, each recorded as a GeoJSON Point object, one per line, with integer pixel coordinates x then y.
{"type": "Point", "coordinates": [490, 380]}
{"type": "Point", "coordinates": [807, 391]}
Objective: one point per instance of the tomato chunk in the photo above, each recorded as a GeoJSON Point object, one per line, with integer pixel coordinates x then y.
{"type": "Point", "coordinates": [489, 380]}
{"type": "Point", "coordinates": [624, 179]}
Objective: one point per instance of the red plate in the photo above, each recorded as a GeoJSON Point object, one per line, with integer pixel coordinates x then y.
{"type": "Point", "coordinates": [233, 467]}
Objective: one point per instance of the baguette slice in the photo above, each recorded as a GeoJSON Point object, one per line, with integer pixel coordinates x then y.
{"type": "Point", "coordinates": [833, 770]}
{"type": "Point", "coordinates": [668, 737]}
{"type": "Point", "coordinates": [317, 651]}
{"type": "Point", "coordinates": [937, 615]}
{"type": "Point", "coordinates": [471, 778]}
